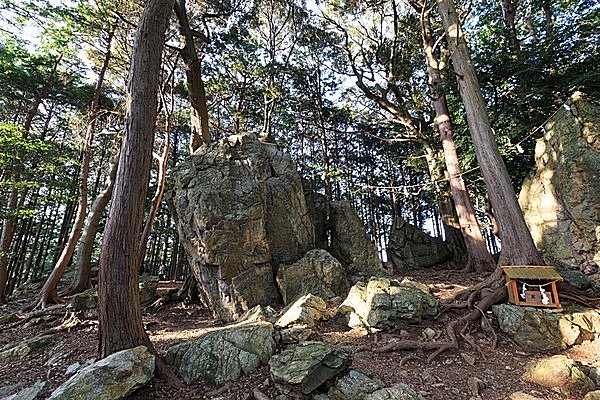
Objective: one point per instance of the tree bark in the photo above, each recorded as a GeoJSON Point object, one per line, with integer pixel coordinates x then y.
{"type": "Point", "coordinates": [196, 92]}
{"type": "Point", "coordinates": [509, 10]}
{"type": "Point", "coordinates": [517, 245]}
{"type": "Point", "coordinates": [82, 279]}
{"type": "Point", "coordinates": [8, 230]}
{"type": "Point", "coordinates": [119, 311]}
{"type": "Point", "coordinates": [479, 257]}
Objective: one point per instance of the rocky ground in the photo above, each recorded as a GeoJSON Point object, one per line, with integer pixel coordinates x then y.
{"type": "Point", "coordinates": [449, 376]}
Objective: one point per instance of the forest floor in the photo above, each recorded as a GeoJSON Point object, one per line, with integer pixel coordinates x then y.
{"type": "Point", "coordinates": [500, 368]}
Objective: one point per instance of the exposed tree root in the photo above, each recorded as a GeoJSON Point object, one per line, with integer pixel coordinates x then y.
{"type": "Point", "coordinates": [54, 311]}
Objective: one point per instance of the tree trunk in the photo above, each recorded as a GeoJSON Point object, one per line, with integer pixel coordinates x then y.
{"type": "Point", "coordinates": [479, 258]}
{"type": "Point", "coordinates": [198, 109]}
{"type": "Point", "coordinates": [8, 231]}
{"type": "Point", "coordinates": [82, 279]}
{"type": "Point", "coordinates": [49, 293]}
{"type": "Point", "coordinates": [119, 311]}
{"type": "Point", "coordinates": [509, 10]}
{"type": "Point", "coordinates": [517, 244]}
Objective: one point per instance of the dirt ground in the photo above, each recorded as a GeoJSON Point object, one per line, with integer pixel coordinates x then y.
{"type": "Point", "coordinates": [446, 377]}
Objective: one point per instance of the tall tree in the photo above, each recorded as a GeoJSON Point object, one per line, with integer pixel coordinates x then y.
{"type": "Point", "coordinates": [517, 245]}
{"type": "Point", "coordinates": [119, 312]}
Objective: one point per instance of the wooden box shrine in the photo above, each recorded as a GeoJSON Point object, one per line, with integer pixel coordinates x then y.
{"type": "Point", "coordinates": [530, 285]}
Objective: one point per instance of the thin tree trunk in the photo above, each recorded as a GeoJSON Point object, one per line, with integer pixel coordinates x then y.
{"type": "Point", "coordinates": [119, 311]}
{"type": "Point", "coordinates": [82, 279]}
{"type": "Point", "coordinates": [198, 109]}
{"type": "Point", "coordinates": [509, 10]}
{"type": "Point", "coordinates": [517, 244]}
{"type": "Point", "coordinates": [8, 231]}
{"type": "Point", "coordinates": [479, 258]}
{"type": "Point", "coordinates": [48, 293]}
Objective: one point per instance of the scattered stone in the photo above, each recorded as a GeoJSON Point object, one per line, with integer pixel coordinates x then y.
{"type": "Point", "coordinates": [541, 330]}
{"type": "Point", "coordinates": [522, 396]}
{"type": "Point", "coordinates": [239, 206]}
{"type": "Point", "coordinates": [593, 395]}
{"type": "Point", "coordinates": [350, 242]}
{"type": "Point", "coordinates": [148, 285]}
{"type": "Point", "coordinates": [317, 273]}
{"type": "Point", "coordinates": [304, 312]}
{"type": "Point", "coordinates": [17, 351]}
{"type": "Point", "coordinates": [476, 385]}
{"type": "Point", "coordinates": [400, 391]}
{"type": "Point", "coordinates": [294, 335]}
{"type": "Point", "coordinates": [560, 199]}
{"type": "Point", "coordinates": [469, 359]}
{"type": "Point", "coordinates": [225, 354]}
{"type": "Point", "coordinates": [71, 369]}
{"type": "Point", "coordinates": [114, 377]}
{"type": "Point", "coordinates": [411, 248]}
{"type": "Point", "coordinates": [299, 370]}
{"type": "Point", "coordinates": [387, 303]}
{"type": "Point", "coordinates": [428, 377]}
{"type": "Point", "coordinates": [29, 393]}
{"type": "Point", "coordinates": [428, 334]}
{"type": "Point", "coordinates": [355, 385]}
{"type": "Point", "coordinates": [558, 372]}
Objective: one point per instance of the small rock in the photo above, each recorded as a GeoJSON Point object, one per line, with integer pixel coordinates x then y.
{"type": "Point", "coordinates": [428, 377]}
{"type": "Point", "coordinates": [428, 334]}
{"type": "Point", "coordinates": [469, 359]}
{"type": "Point", "coordinates": [400, 391]}
{"type": "Point", "coordinates": [594, 395]}
{"type": "Point", "coordinates": [304, 312]}
{"type": "Point", "coordinates": [71, 369]}
{"type": "Point", "coordinates": [476, 385]}
{"type": "Point", "coordinates": [18, 351]}
{"type": "Point", "coordinates": [557, 372]}
{"type": "Point", "coordinates": [29, 393]}
{"type": "Point", "coordinates": [354, 385]}
{"type": "Point", "coordinates": [294, 335]}
{"type": "Point", "coordinates": [522, 396]}
{"type": "Point", "coordinates": [114, 377]}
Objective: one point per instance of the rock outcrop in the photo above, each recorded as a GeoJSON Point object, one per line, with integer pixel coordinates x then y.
{"type": "Point", "coordinates": [112, 378]}
{"type": "Point", "coordinates": [317, 273]}
{"type": "Point", "coordinates": [350, 243]}
{"type": "Point", "coordinates": [388, 303]}
{"type": "Point", "coordinates": [411, 248]}
{"type": "Point", "coordinates": [240, 209]}
{"type": "Point", "coordinates": [299, 370]}
{"type": "Point", "coordinates": [225, 354]}
{"type": "Point", "coordinates": [16, 351]}
{"type": "Point", "coordinates": [560, 199]}
{"type": "Point", "coordinates": [537, 329]}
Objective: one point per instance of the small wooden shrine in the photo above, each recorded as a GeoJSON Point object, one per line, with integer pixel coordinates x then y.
{"type": "Point", "coordinates": [530, 285]}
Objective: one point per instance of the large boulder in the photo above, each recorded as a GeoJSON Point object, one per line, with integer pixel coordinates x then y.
{"type": "Point", "coordinates": [114, 377]}
{"type": "Point", "coordinates": [560, 199]}
{"type": "Point", "coordinates": [350, 242]}
{"type": "Point", "coordinates": [537, 329]}
{"type": "Point", "coordinates": [388, 303]}
{"type": "Point", "coordinates": [317, 273]}
{"type": "Point", "coordinates": [558, 372]}
{"type": "Point", "coordinates": [240, 208]}
{"type": "Point", "coordinates": [225, 354]}
{"type": "Point", "coordinates": [411, 248]}
{"type": "Point", "coordinates": [299, 370]}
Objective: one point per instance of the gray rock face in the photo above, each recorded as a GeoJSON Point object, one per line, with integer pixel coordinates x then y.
{"type": "Point", "coordinates": [557, 372]}
{"type": "Point", "coordinates": [560, 199]}
{"type": "Point", "coordinates": [541, 330]}
{"type": "Point", "coordinates": [350, 242]}
{"type": "Point", "coordinates": [317, 273]}
{"type": "Point", "coordinates": [17, 351]}
{"type": "Point", "coordinates": [113, 377]}
{"type": "Point", "coordinates": [300, 369]}
{"type": "Point", "coordinates": [400, 391]}
{"type": "Point", "coordinates": [388, 303]}
{"type": "Point", "coordinates": [354, 385]}
{"type": "Point", "coordinates": [411, 248]}
{"type": "Point", "coordinates": [224, 355]}
{"type": "Point", "coordinates": [305, 312]}
{"type": "Point", "coordinates": [239, 205]}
